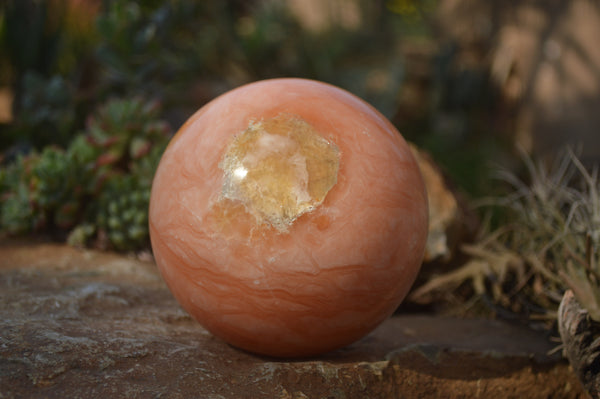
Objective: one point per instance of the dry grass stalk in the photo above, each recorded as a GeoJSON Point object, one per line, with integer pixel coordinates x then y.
{"type": "Point", "coordinates": [548, 244]}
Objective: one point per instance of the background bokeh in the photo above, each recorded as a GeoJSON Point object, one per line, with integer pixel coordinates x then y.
{"type": "Point", "coordinates": [90, 90]}
{"type": "Point", "coordinates": [491, 91]}
{"type": "Point", "coordinates": [62, 59]}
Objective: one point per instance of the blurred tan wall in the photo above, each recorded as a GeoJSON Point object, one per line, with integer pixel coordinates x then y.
{"type": "Point", "coordinates": [319, 15]}
{"type": "Point", "coordinates": [545, 57]}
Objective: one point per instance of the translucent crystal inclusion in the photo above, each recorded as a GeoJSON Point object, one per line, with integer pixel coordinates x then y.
{"type": "Point", "coordinates": [279, 168]}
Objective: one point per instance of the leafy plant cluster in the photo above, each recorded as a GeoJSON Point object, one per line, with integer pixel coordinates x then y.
{"type": "Point", "coordinates": [96, 191]}
{"type": "Point", "coordinates": [547, 242]}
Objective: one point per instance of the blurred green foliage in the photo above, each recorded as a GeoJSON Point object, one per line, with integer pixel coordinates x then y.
{"type": "Point", "coordinates": [65, 60]}
{"type": "Point", "coordinates": [181, 52]}
{"type": "Point", "coordinates": [96, 191]}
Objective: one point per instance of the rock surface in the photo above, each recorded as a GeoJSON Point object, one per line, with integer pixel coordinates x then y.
{"type": "Point", "coordinates": [83, 324]}
{"type": "Point", "coordinates": [580, 335]}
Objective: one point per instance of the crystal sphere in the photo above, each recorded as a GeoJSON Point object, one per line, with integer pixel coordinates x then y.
{"type": "Point", "coordinates": [288, 217]}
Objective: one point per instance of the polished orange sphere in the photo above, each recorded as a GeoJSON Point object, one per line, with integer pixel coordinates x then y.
{"type": "Point", "coordinates": [288, 217]}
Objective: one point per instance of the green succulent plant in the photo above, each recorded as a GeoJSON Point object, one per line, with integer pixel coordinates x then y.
{"type": "Point", "coordinates": [97, 190]}
{"type": "Point", "coordinates": [16, 212]}
{"type": "Point", "coordinates": [123, 212]}
{"type": "Point", "coordinates": [126, 130]}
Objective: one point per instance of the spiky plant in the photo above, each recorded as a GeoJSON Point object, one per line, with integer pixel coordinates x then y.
{"type": "Point", "coordinates": [126, 130]}
{"type": "Point", "coordinates": [547, 243]}
{"type": "Point", "coordinates": [122, 217]}
{"type": "Point", "coordinates": [16, 211]}
{"type": "Point", "coordinates": [130, 138]}
{"type": "Point", "coordinates": [97, 190]}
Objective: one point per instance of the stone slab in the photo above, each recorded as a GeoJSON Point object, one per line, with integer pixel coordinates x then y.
{"type": "Point", "coordinates": [85, 324]}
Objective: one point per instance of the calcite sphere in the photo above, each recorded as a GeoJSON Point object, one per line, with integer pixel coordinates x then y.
{"type": "Point", "coordinates": [288, 217]}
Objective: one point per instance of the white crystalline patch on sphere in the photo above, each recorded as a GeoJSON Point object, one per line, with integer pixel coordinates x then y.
{"type": "Point", "coordinates": [240, 172]}
{"type": "Point", "coordinates": [279, 169]}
